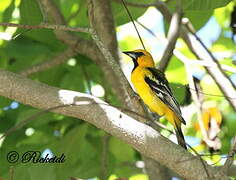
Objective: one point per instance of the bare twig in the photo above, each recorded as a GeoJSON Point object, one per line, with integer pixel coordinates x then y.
{"type": "Point", "coordinates": [55, 61]}
{"type": "Point", "coordinates": [172, 37]}
{"type": "Point", "coordinates": [47, 26]}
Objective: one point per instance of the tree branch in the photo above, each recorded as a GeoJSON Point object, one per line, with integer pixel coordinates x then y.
{"type": "Point", "coordinates": [55, 61]}
{"type": "Point", "coordinates": [133, 104]}
{"type": "Point", "coordinates": [93, 110]}
{"type": "Point", "coordinates": [46, 26]}
{"type": "Point", "coordinates": [104, 25]}
{"type": "Point", "coordinates": [172, 37]}
{"type": "Point", "coordinates": [154, 168]}
{"type": "Point", "coordinates": [230, 159]}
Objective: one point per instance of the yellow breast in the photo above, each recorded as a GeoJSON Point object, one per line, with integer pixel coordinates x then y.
{"type": "Point", "coordinates": [145, 92]}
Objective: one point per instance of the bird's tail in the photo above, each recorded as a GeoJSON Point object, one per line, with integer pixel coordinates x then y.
{"type": "Point", "coordinates": [180, 137]}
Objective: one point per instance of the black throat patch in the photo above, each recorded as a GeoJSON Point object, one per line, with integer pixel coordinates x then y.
{"type": "Point", "coordinates": [138, 54]}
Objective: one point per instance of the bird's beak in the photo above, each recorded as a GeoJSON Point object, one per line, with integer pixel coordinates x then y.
{"type": "Point", "coordinates": [130, 54]}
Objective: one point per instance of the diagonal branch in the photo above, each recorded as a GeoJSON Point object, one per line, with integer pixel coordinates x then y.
{"type": "Point", "coordinates": [55, 61]}
{"type": "Point", "coordinates": [172, 37]}
{"type": "Point", "coordinates": [93, 110]}
{"type": "Point", "coordinates": [133, 104]}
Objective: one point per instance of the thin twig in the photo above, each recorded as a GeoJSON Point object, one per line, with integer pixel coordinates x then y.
{"type": "Point", "coordinates": [55, 61]}
{"type": "Point", "coordinates": [47, 26]}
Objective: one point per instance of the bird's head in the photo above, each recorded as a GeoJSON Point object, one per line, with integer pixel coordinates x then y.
{"type": "Point", "coordinates": [140, 58]}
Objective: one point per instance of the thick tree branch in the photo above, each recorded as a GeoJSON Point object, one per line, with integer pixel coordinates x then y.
{"type": "Point", "coordinates": [154, 168]}
{"type": "Point", "coordinates": [105, 26]}
{"type": "Point", "coordinates": [93, 110]}
{"type": "Point", "coordinates": [230, 159]}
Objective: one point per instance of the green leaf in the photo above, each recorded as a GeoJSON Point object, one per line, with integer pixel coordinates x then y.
{"type": "Point", "coordinates": [122, 151]}
{"type": "Point", "coordinates": [4, 4]}
{"type": "Point", "coordinates": [7, 14]}
{"type": "Point", "coordinates": [223, 14]}
{"type": "Point", "coordinates": [203, 5]}
{"type": "Point", "coordinates": [74, 79]}
{"type": "Point", "coordinates": [25, 55]}
{"type": "Point", "coordinates": [198, 18]}
{"type": "Point", "coordinates": [121, 15]}
{"type": "Point", "coordinates": [81, 17]}
{"type": "Point", "coordinates": [179, 91]}
{"type": "Point", "coordinates": [176, 67]}
{"type": "Point", "coordinates": [30, 12]}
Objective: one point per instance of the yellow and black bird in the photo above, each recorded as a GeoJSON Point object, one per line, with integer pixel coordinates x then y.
{"type": "Point", "coordinates": [153, 88]}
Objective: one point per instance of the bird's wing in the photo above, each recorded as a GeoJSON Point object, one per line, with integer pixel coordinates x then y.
{"type": "Point", "coordinates": [159, 84]}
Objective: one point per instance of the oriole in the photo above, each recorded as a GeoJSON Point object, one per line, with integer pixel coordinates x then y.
{"type": "Point", "coordinates": [212, 119]}
{"type": "Point", "coordinates": [153, 88]}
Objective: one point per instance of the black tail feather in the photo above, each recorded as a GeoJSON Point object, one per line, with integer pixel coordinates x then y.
{"type": "Point", "coordinates": [180, 137]}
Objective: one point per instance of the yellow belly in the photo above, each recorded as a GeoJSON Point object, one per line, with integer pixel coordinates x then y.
{"type": "Point", "coordinates": [150, 98]}
{"type": "Point", "coordinates": [145, 92]}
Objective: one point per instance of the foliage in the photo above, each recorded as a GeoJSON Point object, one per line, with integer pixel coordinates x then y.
{"type": "Point", "coordinates": [82, 143]}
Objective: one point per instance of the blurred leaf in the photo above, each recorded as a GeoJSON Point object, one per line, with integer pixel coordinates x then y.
{"type": "Point", "coordinates": [4, 4]}
{"type": "Point", "coordinates": [203, 5]}
{"type": "Point", "coordinates": [176, 67]}
{"type": "Point", "coordinates": [198, 18]}
{"type": "Point", "coordinates": [124, 154]}
{"type": "Point", "coordinates": [7, 14]}
{"type": "Point", "coordinates": [120, 14]}
{"type": "Point", "coordinates": [30, 12]}
{"type": "Point", "coordinates": [222, 15]}
{"type": "Point", "coordinates": [74, 79]}
{"type": "Point", "coordinates": [81, 17]}
{"type": "Point", "coordinates": [179, 91]}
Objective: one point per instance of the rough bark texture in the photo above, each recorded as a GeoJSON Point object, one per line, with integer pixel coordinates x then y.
{"type": "Point", "coordinates": [93, 110]}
